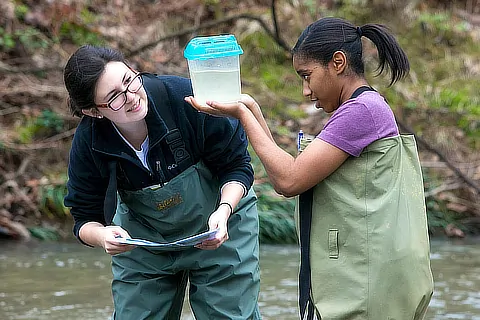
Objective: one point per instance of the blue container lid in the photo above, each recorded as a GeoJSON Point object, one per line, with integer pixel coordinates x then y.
{"type": "Point", "coordinates": [203, 48]}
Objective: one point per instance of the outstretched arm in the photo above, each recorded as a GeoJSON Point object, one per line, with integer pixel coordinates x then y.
{"type": "Point", "coordinates": [253, 106]}
{"type": "Point", "coordinates": [233, 110]}
{"type": "Point", "coordinates": [290, 176]}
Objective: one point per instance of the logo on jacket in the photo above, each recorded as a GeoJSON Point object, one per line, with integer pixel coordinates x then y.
{"type": "Point", "coordinates": [170, 202]}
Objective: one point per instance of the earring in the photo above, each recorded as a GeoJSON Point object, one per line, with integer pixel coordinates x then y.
{"type": "Point", "coordinates": [99, 116]}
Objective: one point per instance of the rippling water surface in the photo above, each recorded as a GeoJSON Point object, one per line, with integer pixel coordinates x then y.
{"type": "Point", "coordinates": [69, 281]}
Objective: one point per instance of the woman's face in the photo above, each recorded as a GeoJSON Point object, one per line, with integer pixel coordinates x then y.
{"type": "Point", "coordinates": [114, 81]}
{"type": "Point", "coordinates": [319, 83]}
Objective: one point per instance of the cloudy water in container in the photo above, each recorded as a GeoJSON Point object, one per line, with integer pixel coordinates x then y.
{"type": "Point", "coordinates": [221, 85]}
{"type": "Point", "coordinates": [214, 67]}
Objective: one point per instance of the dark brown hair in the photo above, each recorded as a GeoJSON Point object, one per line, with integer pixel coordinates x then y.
{"type": "Point", "coordinates": [82, 72]}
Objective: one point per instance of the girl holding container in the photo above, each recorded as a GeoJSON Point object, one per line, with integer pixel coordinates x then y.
{"type": "Point", "coordinates": [360, 205]}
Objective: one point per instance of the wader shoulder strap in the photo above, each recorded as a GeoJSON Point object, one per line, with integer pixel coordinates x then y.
{"type": "Point", "coordinates": [305, 212]}
{"type": "Point", "coordinates": [110, 202]}
{"type": "Point", "coordinates": [174, 138]}
{"type": "Point", "coordinates": [361, 90]}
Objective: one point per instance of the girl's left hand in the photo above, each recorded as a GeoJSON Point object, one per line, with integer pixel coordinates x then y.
{"type": "Point", "coordinates": [218, 219]}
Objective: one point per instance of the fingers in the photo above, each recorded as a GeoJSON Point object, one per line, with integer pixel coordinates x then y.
{"type": "Point", "coordinates": [111, 236]}
{"type": "Point", "coordinates": [215, 108]}
{"type": "Point", "coordinates": [220, 237]}
{"type": "Point", "coordinates": [218, 220]}
{"type": "Point", "coordinates": [201, 107]}
{"type": "Point", "coordinates": [116, 248]}
{"type": "Point", "coordinates": [214, 243]}
{"type": "Point", "coordinates": [247, 99]}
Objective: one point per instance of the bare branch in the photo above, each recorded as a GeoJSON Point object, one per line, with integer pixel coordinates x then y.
{"type": "Point", "coordinates": [10, 110]}
{"type": "Point", "coordinates": [206, 25]}
{"type": "Point", "coordinates": [49, 143]}
{"type": "Point", "coordinates": [6, 69]}
{"type": "Point", "coordinates": [274, 19]}
{"type": "Point", "coordinates": [444, 187]}
{"type": "Point", "coordinates": [442, 157]}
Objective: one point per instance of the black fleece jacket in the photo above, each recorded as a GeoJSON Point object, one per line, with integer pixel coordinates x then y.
{"type": "Point", "coordinates": [219, 142]}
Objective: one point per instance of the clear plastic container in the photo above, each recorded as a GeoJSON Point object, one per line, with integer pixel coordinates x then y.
{"type": "Point", "coordinates": [214, 67]}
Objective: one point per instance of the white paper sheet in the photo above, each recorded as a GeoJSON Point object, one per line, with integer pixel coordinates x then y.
{"type": "Point", "coordinates": [185, 242]}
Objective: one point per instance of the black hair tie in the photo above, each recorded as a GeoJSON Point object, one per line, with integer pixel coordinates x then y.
{"type": "Point", "coordinates": [359, 31]}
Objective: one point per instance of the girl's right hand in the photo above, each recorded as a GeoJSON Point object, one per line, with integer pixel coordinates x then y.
{"type": "Point", "coordinates": [110, 240]}
{"type": "Point", "coordinates": [219, 109]}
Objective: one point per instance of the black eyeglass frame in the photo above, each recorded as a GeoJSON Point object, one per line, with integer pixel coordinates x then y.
{"type": "Point", "coordinates": [124, 92]}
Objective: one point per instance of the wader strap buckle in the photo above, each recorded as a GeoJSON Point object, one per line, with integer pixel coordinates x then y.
{"type": "Point", "coordinates": [177, 146]}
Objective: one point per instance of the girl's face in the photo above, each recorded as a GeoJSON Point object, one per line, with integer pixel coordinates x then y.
{"type": "Point", "coordinates": [119, 79]}
{"type": "Point", "coordinates": [319, 83]}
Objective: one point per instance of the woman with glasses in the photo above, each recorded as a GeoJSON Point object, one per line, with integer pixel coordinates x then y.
{"type": "Point", "coordinates": [361, 208]}
{"type": "Point", "coordinates": [144, 164]}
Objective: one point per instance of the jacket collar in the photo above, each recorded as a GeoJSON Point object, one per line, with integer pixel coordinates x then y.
{"type": "Point", "coordinates": [105, 139]}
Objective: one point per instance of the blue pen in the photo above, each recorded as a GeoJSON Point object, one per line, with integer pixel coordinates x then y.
{"type": "Point", "coordinates": [300, 137]}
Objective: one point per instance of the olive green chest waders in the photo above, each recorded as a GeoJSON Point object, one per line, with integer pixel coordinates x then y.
{"type": "Point", "coordinates": [368, 250]}
{"type": "Point", "coordinates": [149, 284]}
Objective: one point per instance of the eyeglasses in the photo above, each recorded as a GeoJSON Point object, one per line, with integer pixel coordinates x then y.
{"type": "Point", "coordinates": [118, 101]}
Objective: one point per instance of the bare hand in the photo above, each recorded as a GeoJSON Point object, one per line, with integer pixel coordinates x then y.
{"type": "Point", "coordinates": [220, 109]}
{"type": "Point", "coordinates": [218, 219]}
{"type": "Point", "coordinates": [110, 240]}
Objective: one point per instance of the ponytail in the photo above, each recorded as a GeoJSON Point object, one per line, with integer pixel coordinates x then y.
{"type": "Point", "coordinates": [389, 51]}
{"type": "Point", "coordinates": [321, 39]}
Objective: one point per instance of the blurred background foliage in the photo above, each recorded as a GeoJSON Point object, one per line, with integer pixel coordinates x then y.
{"type": "Point", "coordinates": [439, 102]}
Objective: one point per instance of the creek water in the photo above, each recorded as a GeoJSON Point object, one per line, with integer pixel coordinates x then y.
{"type": "Point", "coordinates": [56, 281]}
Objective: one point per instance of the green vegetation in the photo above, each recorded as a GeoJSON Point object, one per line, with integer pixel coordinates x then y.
{"type": "Point", "coordinates": [267, 71]}
{"type": "Point", "coordinates": [440, 95]}
{"type": "Point", "coordinates": [79, 34]}
{"type": "Point", "coordinates": [276, 216]}
{"type": "Point", "coordinates": [51, 201]}
{"type": "Point", "coordinates": [42, 233]}
{"type": "Point", "coordinates": [30, 38]}
{"type": "Point", "coordinates": [444, 56]}
{"type": "Point", "coordinates": [444, 65]}
{"type": "Point", "coordinates": [46, 124]}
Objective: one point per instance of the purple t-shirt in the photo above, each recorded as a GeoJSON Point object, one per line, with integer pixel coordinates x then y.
{"type": "Point", "coordinates": [359, 122]}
